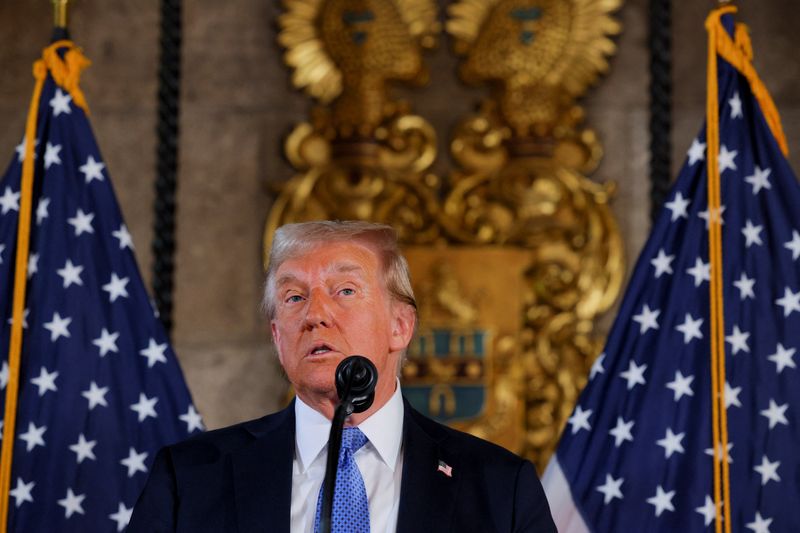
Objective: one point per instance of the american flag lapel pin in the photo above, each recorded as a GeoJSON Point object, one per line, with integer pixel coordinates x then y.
{"type": "Point", "coordinates": [445, 469]}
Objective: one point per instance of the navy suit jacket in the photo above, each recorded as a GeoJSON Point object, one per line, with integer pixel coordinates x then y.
{"type": "Point", "coordinates": [239, 479]}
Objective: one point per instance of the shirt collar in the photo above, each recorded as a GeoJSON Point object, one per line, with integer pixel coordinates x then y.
{"type": "Point", "coordinates": [384, 429]}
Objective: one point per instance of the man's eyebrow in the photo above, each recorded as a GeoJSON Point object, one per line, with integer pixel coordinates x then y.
{"type": "Point", "coordinates": [286, 278]}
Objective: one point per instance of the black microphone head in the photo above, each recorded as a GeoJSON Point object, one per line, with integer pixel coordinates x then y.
{"type": "Point", "coordinates": [362, 376]}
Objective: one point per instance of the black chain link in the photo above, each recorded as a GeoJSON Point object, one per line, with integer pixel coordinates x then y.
{"type": "Point", "coordinates": [660, 42]}
{"type": "Point", "coordinates": [169, 77]}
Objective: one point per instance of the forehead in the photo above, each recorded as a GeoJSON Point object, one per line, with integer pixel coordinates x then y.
{"type": "Point", "coordinates": [327, 259]}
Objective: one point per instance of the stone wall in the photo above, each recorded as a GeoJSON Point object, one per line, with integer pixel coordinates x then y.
{"type": "Point", "coordinates": [238, 105]}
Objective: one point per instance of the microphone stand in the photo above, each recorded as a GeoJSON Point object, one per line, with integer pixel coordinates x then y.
{"type": "Point", "coordinates": [355, 388]}
{"type": "Point", "coordinates": [343, 410]}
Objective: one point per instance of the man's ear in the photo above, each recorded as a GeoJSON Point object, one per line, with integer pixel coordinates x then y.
{"type": "Point", "coordinates": [404, 318]}
{"type": "Point", "coordinates": [276, 336]}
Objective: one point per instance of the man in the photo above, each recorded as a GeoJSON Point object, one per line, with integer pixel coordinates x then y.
{"type": "Point", "coordinates": [336, 289]}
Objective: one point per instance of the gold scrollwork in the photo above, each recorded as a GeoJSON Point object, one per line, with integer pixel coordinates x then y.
{"type": "Point", "coordinates": [519, 202]}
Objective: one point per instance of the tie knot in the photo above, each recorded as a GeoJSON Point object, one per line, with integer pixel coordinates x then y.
{"type": "Point", "coordinates": [353, 439]}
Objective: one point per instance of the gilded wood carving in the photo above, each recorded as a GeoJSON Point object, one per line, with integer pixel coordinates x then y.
{"type": "Point", "coordinates": [514, 253]}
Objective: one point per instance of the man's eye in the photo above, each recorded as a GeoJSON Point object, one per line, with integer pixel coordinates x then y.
{"type": "Point", "coordinates": [347, 291]}
{"type": "Point", "coordinates": [294, 298]}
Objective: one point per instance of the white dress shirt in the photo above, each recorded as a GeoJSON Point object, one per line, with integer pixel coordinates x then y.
{"type": "Point", "coordinates": [380, 461]}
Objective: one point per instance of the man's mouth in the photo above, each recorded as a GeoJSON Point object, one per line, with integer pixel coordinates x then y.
{"type": "Point", "coordinates": [320, 349]}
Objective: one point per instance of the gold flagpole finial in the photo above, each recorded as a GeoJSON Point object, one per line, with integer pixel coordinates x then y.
{"type": "Point", "coordinates": [60, 13]}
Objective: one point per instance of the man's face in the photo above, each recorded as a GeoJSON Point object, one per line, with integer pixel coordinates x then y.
{"type": "Point", "coordinates": [332, 302]}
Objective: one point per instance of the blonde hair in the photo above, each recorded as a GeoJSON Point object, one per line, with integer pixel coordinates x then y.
{"type": "Point", "coordinates": [291, 240]}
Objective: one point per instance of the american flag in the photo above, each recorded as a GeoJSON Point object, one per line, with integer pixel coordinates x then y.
{"type": "Point", "coordinates": [636, 454]}
{"type": "Point", "coordinates": [100, 387]}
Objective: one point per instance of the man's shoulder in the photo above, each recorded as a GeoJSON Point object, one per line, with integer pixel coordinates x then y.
{"type": "Point", "coordinates": [465, 444]}
{"type": "Point", "coordinates": [210, 445]}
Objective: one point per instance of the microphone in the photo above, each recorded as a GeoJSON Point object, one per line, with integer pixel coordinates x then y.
{"type": "Point", "coordinates": [355, 378]}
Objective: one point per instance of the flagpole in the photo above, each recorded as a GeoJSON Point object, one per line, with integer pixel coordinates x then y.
{"type": "Point", "coordinates": [60, 13]}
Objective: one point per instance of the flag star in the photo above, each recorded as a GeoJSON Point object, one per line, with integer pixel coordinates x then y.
{"type": "Point", "coordinates": [738, 340]}
{"type": "Point", "coordinates": [9, 201]}
{"type": "Point", "coordinates": [24, 319]}
{"type": "Point", "coordinates": [96, 395]}
{"type": "Point", "coordinates": [708, 510]}
{"type": "Point", "coordinates": [52, 155]}
{"type": "Point", "coordinates": [776, 414]}
{"type": "Point", "coordinates": [736, 106]}
{"type": "Point", "coordinates": [154, 353]}
{"type": "Point", "coordinates": [647, 319]}
{"type": "Point", "coordinates": [4, 375]}
{"type": "Point", "coordinates": [710, 452]}
{"type": "Point", "coordinates": [192, 419]}
{"type": "Point", "coordinates": [732, 395]}
{"type": "Point", "coordinates": [690, 329]}
{"type": "Point", "coordinates": [122, 516]}
{"type": "Point", "coordinates": [759, 179]}
{"type": "Point", "coordinates": [597, 366]}
{"type": "Point", "coordinates": [662, 263]}
{"type": "Point", "coordinates": [58, 327]}
{"type": "Point", "coordinates": [580, 419]}
{"type": "Point", "coordinates": [662, 501]}
{"type": "Point", "coordinates": [116, 287]}
{"type": "Point", "coordinates": [634, 374]}
{"type": "Point", "coordinates": [92, 170]}
{"type": "Point", "coordinates": [33, 265]}
{"type": "Point", "coordinates": [135, 462]}
{"type": "Point", "coordinates": [726, 159]}
{"type": "Point", "coordinates": [790, 301]}
{"type": "Point", "coordinates": [671, 443]}
{"type": "Point", "coordinates": [71, 274]}
{"type": "Point", "coordinates": [33, 437]}
{"type": "Point", "coordinates": [716, 216]}
{"type": "Point", "coordinates": [678, 206]}
{"type": "Point", "coordinates": [745, 286]}
{"type": "Point", "coordinates": [124, 237]}
{"type": "Point", "coordinates": [752, 234]}
{"type": "Point", "coordinates": [21, 150]}
{"type": "Point", "coordinates": [84, 449]}
{"type": "Point", "coordinates": [622, 431]}
{"type": "Point", "coordinates": [681, 385]}
{"type": "Point", "coordinates": [782, 358]}
{"type": "Point", "coordinates": [22, 492]}
{"type": "Point", "coordinates": [2, 247]}
{"type": "Point", "coordinates": [700, 272]}
{"type": "Point", "coordinates": [107, 342]}
{"type": "Point", "coordinates": [610, 489]}
{"type": "Point", "coordinates": [697, 152]}
{"type": "Point", "coordinates": [794, 245]}
{"type": "Point", "coordinates": [768, 470]}
{"type": "Point", "coordinates": [46, 381]}
{"type": "Point", "coordinates": [145, 407]}
{"type": "Point", "coordinates": [72, 503]}
{"type": "Point", "coordinates": [760, 524]}
{"type": "Point", "coordinates": [82, 222]}
{"type": "Point", "coordinates": [41, 210]}
{"type": "Point", "coordinates": [60, 103]}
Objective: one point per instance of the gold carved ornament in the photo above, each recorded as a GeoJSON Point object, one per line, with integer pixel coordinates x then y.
{"type": "Point", "coordinates": [515, 253]}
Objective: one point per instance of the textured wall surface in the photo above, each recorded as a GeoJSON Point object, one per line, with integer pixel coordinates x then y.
{"type": "Point", "coordinates": [238, 105]}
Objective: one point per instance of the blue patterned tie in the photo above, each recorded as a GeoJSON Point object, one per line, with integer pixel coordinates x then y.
{"type": "Point", "coordinates": [350, 506]}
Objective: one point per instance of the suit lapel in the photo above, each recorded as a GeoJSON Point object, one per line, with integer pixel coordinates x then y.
{"type": "Point", "coordinates": [262, 475]}
{"type": "Point", "coordinates": [427, 495]}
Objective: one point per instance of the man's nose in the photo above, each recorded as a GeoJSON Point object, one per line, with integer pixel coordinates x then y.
{"type": "Point", "coordinates": [318, 310]}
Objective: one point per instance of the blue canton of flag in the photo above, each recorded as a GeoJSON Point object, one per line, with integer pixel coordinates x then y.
{"type": "Point", "coordinates": [636, 454]}
{"type": "Point", "coordinates": [100, 389]}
